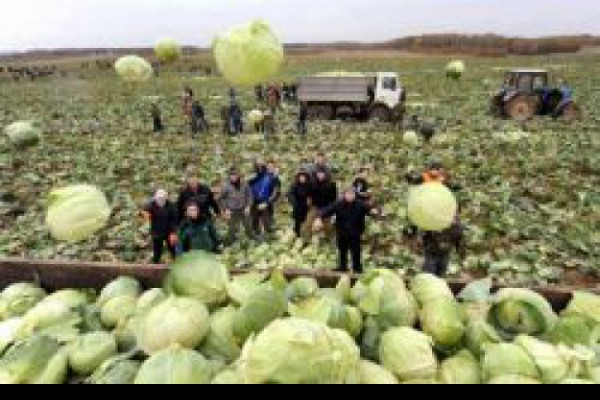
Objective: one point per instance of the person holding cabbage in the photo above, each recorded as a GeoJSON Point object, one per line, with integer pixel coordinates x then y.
{"type": "Point", "coordinates": [438, 246]}
{"type": "Point", "coordinates": [163, 225]}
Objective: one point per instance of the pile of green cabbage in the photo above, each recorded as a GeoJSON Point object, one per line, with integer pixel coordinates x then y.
{"type": "Point", "coordinates": [206, 327]}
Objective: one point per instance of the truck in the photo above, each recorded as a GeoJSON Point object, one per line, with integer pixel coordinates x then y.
{"type": "Point", "coordinates": [377, 96]}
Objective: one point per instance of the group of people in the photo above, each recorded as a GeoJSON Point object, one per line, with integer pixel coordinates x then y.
{"type": "Point", "coordinates": [316, 202]}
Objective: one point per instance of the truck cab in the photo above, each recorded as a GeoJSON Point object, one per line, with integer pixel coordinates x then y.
{"type": "Point", "coordinates": [388, 91]}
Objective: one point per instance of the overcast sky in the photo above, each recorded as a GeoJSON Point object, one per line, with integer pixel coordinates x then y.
{"type": "Point", "coordinates": [28, 24]}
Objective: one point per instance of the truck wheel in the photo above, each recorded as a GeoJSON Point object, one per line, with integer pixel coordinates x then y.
{"type": "Point", "coordinates": [345, 112]}
{"type": "Point", "coordinates": [380, 113]}
{"type": "Point", "coordinates": [320, 112]}
{"type": "Point", "coordinates": [521, 108]}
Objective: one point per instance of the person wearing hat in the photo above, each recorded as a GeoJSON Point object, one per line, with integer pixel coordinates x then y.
{"type": "Point", "coordinates": [163, 225]}
{"type": "Point", "coordinates": [236, 201]}
{"type": "Point", "coordinates": [200, 194]}
{"type": "Point", "coordinates": [350, 224]}
{"type": "Point", "coordinates": [299, 198]}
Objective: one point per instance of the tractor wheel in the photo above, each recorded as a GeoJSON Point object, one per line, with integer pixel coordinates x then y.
{"type": "Point", "coordinates": [381, 113]}
{"type": "Point", "coordinates": [571, 112]}
{"type": "Point", "coordinates": [521, 108]}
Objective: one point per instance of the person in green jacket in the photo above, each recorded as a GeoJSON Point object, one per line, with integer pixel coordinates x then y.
{"type": "Point", "coordinates": [197, 232]}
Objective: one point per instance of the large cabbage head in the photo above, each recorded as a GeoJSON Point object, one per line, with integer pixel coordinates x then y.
{"type": "Point", "coordinates": [133, 69]}
{"type": "Point", "coordinates": [584, 305]}
{"type": "Point", "coordinates": [116, 371]}
{"type": "Point", "coordinates": [442, 321]}
{"type": "Point", "coordinates": [522, 311]}
{"type": "Point", "coordinates": [176, 321]}
{"type": "Point", "coordinates": [118, 310]}
{"type": "Point", "coordinates": [571, 331]}
{"type": "Point", "coordinates": [168, 50]}
{"type": "Point", "coordinates": [427, 288]}
{"type": "Point", "coordinates": [553, 367]}
{"type": "Point", "coordinates": [368, 373]}
{"type": "Point", "coordinates": [19, 298]}
{"type": "Point", "coordinates": [462, 369]}
{"type": "Point", "coordinates": [432, 207]}
{"type": "Point", "coordinates": [408, 354]}
{"type": "Point", "coordinates": [23, 134]}
{"type": "Point", "coordinates": [124, 286]}
{"type": "Point", "coordinates": [199, 275]}
{"type": "Point", "coordinates": [221, 343]}
{"type": "Point", "coordinates": [248, 55]}
{"type": "Point", "coordinates": [383, 295]}
{"type": "Point", "coordinates": [39, 360]}
{"type": "Point", "coordinates": [455, 69]}
{"type": "Point", "coordinates": [76, 213]}
{"type": "Point", "coordinates": [330, 311]}
{"type": "Point", "coordinates": [508, 359]}
{"type": "Point", "coordinates": [175, 366]}
{"type": "Point", "coordinates": [479, 335]}
{"type": "Point", "coordinates": [298, 351]}
{"type": "Point", "coordinates": [151, 298]}
{"type": "Point", "coordinates": [260, 309]}
{"type": "Point", "coordinates": [90, 351]}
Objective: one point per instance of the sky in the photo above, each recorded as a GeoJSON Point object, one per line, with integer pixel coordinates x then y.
{"type": "Point", "coordinates": [40, 24]}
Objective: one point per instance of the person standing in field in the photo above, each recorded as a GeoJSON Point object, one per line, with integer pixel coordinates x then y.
{"type": "Point", "coordinates": [198, 120]}
{"type": "Point", "coordinates": [438, 246]}
{"type": "Point", "coordinates": [303, 118]}
{"type": "Point", "coordinates": [162, 216]}
{"type": "Point", "coordinates": [320, 164]}
{"type": "Point", "coordinates": [265, 188]}
{"type": "Point", "coordinates": [199, 194]}
{"type": "Point", "coordinates": [361, 186]}
{"type": "Point", "coordinates": [157, 118]}
{"type": "Point", "coordinates": [299, 199]}
{"type": "Point", "coordinates": [188, 104]}
{"type": "Point", "coordinates": [236, 201]}
{"type": "Point", "coordinates": [236, 123]}
{"type": "Point", "coordinates": [197, 232]}
{"type": "Point", "coordinates": [350, 224]}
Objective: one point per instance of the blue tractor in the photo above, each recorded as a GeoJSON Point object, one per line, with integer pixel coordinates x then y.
{"type": "Point", "coordinates": [526, 93]}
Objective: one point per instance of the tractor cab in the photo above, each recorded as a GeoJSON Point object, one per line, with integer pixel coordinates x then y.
{"type": "Point", "coordinates": [527, 93]}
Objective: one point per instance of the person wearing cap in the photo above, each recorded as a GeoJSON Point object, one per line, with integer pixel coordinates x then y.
{"type": "Point", "coordinates": [435, 172]}
{"type": "Point", "coordinates": [361, 186]}
{"type": "Point", "coordinates": [236, 201]}
{"type": "Point", "coordinates": [163, 225]}
{"type": "Point", "coordinates": [201, 195]}
{"type": "Point", "coordinates": [299, 199]}
{"type": "Point", "coordinates": [350, 224]}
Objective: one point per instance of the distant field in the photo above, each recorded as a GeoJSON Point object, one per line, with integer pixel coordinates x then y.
{"type": "Point", "coordinates": [533, 206]}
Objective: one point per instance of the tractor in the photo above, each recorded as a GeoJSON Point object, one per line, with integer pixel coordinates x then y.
{"type": "Point", "coordinates": [526, 94]}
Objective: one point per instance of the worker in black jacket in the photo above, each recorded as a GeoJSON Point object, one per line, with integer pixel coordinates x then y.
{"type": "Point", "coordinates": [350, 223]}
{"type": "Point", "coordinates": [324, 191]}
{"type": "Point", "coordinates": [299, 199]}
{"type": "Point", "coordinates": [163, 225]}
{"type": "Point", "coordinates": [199, 194]}
{"type": "Point", "coordinates": [438, 246]}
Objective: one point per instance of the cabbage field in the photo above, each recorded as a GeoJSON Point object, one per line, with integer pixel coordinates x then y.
{"type": "Point", "coordinates": [205, 327]}
{"type": "Point", "coordinates": [531, 196]}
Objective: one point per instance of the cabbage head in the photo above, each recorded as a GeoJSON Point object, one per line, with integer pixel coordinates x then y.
{"type": "Point", "coordinates": [167, 51]}
{"type": "Point", "coordinates": [175, 366]}
{"type": "Point", "coordinates": [330, 311]}
{"type": "Point", "coordinates": [383, 295]}
{"type": "Point", "coordinates": [38, 360]}
{"type": "Point", "coordinates": [260, 309]}
{"type": "Point", "coordinates": [199, 275]}
{"type": "Point", "coordinates": [432, 207]}
{"type": "Point", "coordinates": [571, 331]}
{"type": "Point", "coordinates": [462, 369]}
{"type": "Point", "coordinates": [9, 330]}
{"type": "Point", "coordinates": [221, 343]}
{"type": "Point", "coordinates": [116, 371]}
{"type": "Point", "coordinates": [441, 320]}
{"type": "Point", "coordinates": [368, 373]}
{"type": "Point", "coordinates": [241, 287]}
{"type": "Point", "coordinates": [455, 69]}
{"type": "Point", "coordinates": [133, 69]}
{"type": "Point", "coordinates": [249, 55]}
{"type": "Point", "coordinates": [118, 310]}
{"type": "Point", "coordinates": [411, 138]}
{"type": "Point", "coordinates": [123, 286]}
{"type": "Point", "coordinates": [514, 380]}
{"type": "Point", "coordinates": [23, 134]}
{"type": "Point", "coordinates": [19, 298]}
{"type": "Point", "coordinates": [256, 116]}
{"type": "Point", "coordinates": [76, 213]}
{"type": "Point", "coordinates": [151, 299]}
{"type": "Point", "coordinates": [551, 364]}
{"type": "Point", "coordinates": [408, 354]}
{"type": "Point", "coordinates": [427, 288]}
{"type": "Point", "coordinates": [176, 321]}
{"type": "Point", "coordinates": [297, 351]}
{"type": "Point", "coordinates": [302, 288]}
{"type": "Point", "coordinates": [584, 305]}
{"type": "Point", "coordinates": [522, 311]}
{"type": "Point", "coordinates": [479, 335]}
{"type": "Point", "coordinates": [227, 377]}
{"type": "Point", "coordinates": [508, 359]}
{"type": "Point", "coordinates": [90, 351]}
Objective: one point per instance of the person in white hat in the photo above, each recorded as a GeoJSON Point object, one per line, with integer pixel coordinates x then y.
{"type": "Point", "coordinates": [162, 215]}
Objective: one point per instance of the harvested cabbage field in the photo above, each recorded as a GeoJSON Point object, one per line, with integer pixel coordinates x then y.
{"type": "Point", "coordinates": [530, 198]}
{"type": "Point", "coordinates": [208, 327]}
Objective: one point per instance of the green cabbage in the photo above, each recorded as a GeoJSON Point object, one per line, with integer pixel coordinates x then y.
{"type": "Point", "coordinates": [479, 335]}
{"type": "Point", "coordinates": [256, 116]}
{"type": "Point", "coordinates": [118, 310]}
{"type": "Point", "coordinates": [383, 295]}
{"type": "Point", "coordinates": [408, 354]}
{"type": "Point", "coordinates": [552, 366]}
{"type": "Point", "coordinates": [35, 361]}
{"type": "Point", "coordinates": [522, 311]}
{"type": "Point", "coordinates": [175, 366]}
{"type": "Point", "coordinates": [151, 299]}
{"type": "Point", "coordinates": [76, 213]}
{"type": "Point", "coordinates": [241, 287]}
{"type": "Point", "coordinates": [19, 298]}
{"type": "Point", "coordinates": [168, 51]}
{"type": "Point", "coordinates": [248, 55]}
{"type": "Point", "coordinates": [411, 138]}
{"type": "Point", "coordinates": [9, 330]}
{"type": "Point", "coordinates": [133, 69]}
{"type": "Point", "coordinates": [116, 371]}
{"type": "Point", "coordinates": [462, 369]}
{"type": "Point", "coordinates": [514, 380]}
{"type": "Point", "coordinates": [427, 288]}
{"type": "Point", "coordinates": [227, 377]}
{"type": "Point", "coordinates": [573, 381]}
{"type": "Point", "coordinates": [442, 321]}
{"type": "Point", "coordinates": [571, 331]}
{"type": "Point", "coordinates": [330, 311]}
{"type": "Point", "coordinates": [368, 373]}
{"type": "Point", "coordinates": [180, 321]}
{"type": "Point", "coordinates": [584, 305]}
{"type": "Point", "coordinates": [455, 69]}
{"type": "Point", "coordinates": [259, 310]}
{"type": "Point", "coordinates": [432, 207]}
{"type": "Point", "coordinates": [199, 275]}
{"type": "Point", "coordinates": [123, 286]}
{"type": "Point", "coordinates": [220, 343]}
{"type": "Point", "coordinates": [302, 288]}
{"type": "Point", "coordinates": [508, 359]}
{"type": "Point", "coordinates": [89, 351]}
{"type": "Point", "coordinates": [420, 382]}
{"type": "Point", "coordinates": [23, 134]}
{"type": "Point", "coordinates": [297, 351]}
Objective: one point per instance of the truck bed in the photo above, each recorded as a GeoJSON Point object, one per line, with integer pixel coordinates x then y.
{"type": "Point", "coordinates": [335, 89]}
{"type": "Point", "coordinates": [56, 275]}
